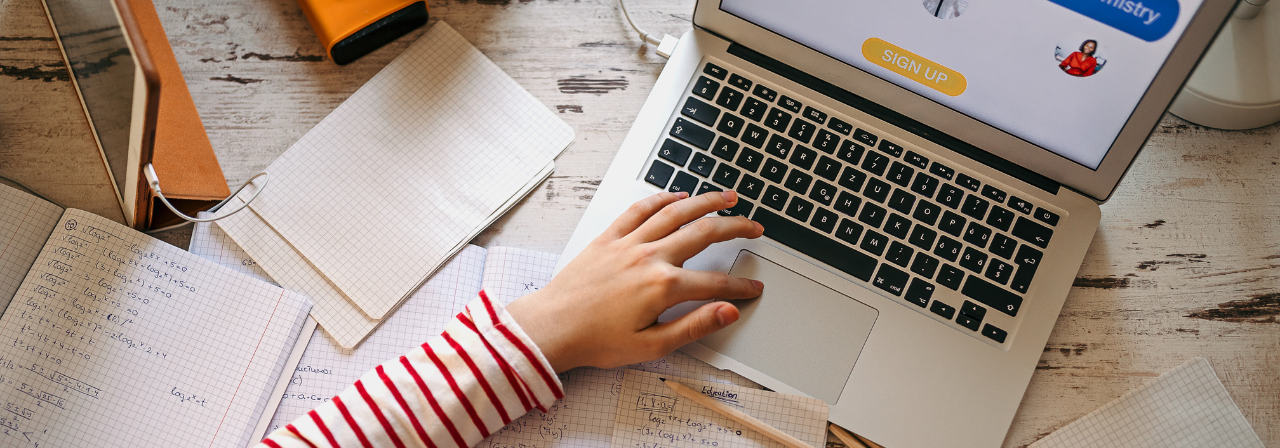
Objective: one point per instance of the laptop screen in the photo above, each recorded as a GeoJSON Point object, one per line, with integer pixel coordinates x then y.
{"type": "Point", "coordinates": [1064, 75]}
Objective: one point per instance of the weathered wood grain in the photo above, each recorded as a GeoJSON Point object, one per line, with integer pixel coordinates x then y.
{"type": "Point", "coordinates": [1186, 261]}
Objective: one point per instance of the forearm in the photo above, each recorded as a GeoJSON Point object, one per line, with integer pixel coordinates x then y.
{"type": "Point", "coordinates": [453, 391]}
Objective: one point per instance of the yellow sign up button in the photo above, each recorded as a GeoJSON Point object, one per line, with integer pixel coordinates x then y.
{"type": "Point", "coordinates": [914, 67]}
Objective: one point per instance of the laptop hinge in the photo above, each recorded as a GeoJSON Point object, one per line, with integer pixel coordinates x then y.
{"type": "Point", "coordinates": [894, 118]}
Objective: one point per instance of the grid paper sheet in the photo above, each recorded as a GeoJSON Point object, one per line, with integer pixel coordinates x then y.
{"type": "Point", "coordinates": [120, 339]}
{"type": "Point", "coordinates": [650, 415]}
{"type": "Point", "coordinates": [211, 243]}
{"type": "Point", "coordinates": [1185, 407]}
{"type": "Point", "coordinates": [391, 184]}
{"type": "Point", "coordinates": [338, 316]}
{"type": "Point", "coordinates": [25, 224]}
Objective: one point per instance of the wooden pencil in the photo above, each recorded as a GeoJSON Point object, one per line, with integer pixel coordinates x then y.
{"type": "Point", "coordinates": [736, 415]}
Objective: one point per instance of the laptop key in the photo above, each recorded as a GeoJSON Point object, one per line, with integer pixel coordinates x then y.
{"type": "Point", "coordinates": [973, 260]}
{"type": "Point", "coordinates": [874, 242]}
{"type": "Point", "coordinates": [742, 208]}
{"type": "Point", "coordinates": [917, 160]}
{"type": "Point", "coordinates": [765, 92]}
{"type": "Point", "coordinates": [1028, 260]}
{"type": "Point", "coordinates": [702, 112]}
{"type": "Point", "coordinates": [702, 164]}
{"type": "Point", "coordinates": [824, 220]}
{"type": "Point", "coordinates": [999, 271]}
{"type": "Point", "coordinates": [968, 322]}
{"type": "Point", "coordinates": [692, 134]}
{"type": "Point", "coordinates": [799, 181]}
{"type": "Point", "coordinates": [827, 168]}
{"type": "Point", "coordinates": [823, 193]}
{"type": "Point", "coordinates": [814, 244]}
{"type": "Point", "coordinates": [852, 178]}
{"type": "Point", "coordinates": [774, 171]}
{"type": "Point", "coordinates": [977, 235]}
{"type": "Point", "coordinates": [927, 212]}
{"type": "Point", "coordinates": [754, 109]}
{"type": "Point", "coordinates": [994, 333]}
{"type": "Point", "coordinates": [826, 141]}
{"type": "Point", "coordinates": [840, 126]}
{"type": "Point", "coordinates": [730, 124]}
{"type": "Point", "coordinates": [684, 182]}
{"type": "Point", "coordinates": [1002, 246]}
{"type": "Point", "coordinates": [848, 203]}
{"type": "Point", "coordinates": [1032, 233]}
{"type": "Point", "coordinates": [973, 310]}
{"type": "Point", "coordinates": [991, 295]}
{"type": "Point", "coordinates": [921, 237]}
{"type": "Point", "coordinates": [749, 160]}
{"type": "Point", "coordinates": [1000, 218]}
{"type": "Point", "coordinates": [950, 276]}
{"type": "Point", "coordinates": [779, 146]}
{"type": "Point", "coordinates": [777, 120]}
{"type": "Point", "coordinates": [706, 88]}
{"type": "Point", "coordinates": [730, 99]}
{"type": "Point", "coordinates": [952, 223]}
{"type": "Point", "coordinates": [726, 175]}
{"type": "Point", "coordinates": [924, 185]}
{"type": "Point", "coordinates": [801, 130]}
{"type": "Point", "coordinates": [901, 201]}
{"type": "Point", "coordinates": [872, 215]}
{"type": "Point", "coordinates": [659, 174]}
{"type": "Point", "coordinates": [942, 309]}
{"type": "Point", "coordinates": [897, 225]}
{"type": "Point", "coordinates": [890, 148]}
{"type": "Point", "coordinates": [941, 170]}
{"type": "Point", "coordinates": [876, 190]}
{"type": "Point", "coordinates": [775, 198]}
{"type": "Point", "coordinates": [899, 254]}
{"type": "Point", "coordinates": [875, 163]}
{"type": "Point", "coordinates": [850, 152]}
{"type": "Point", "coordinates": [995, 194]}
{"type": "Point", "coordinates": [740, 82]}
{"type": "Point", "coordinates": [707, 187]}
{"type": "Point", "coordinates": [1020, 204]}
{"type": "Point", "coordinates": [803, 157]}
{"type": "Point", "coordinates": [891, 279]}
{"type": "Point", "coordinates": [865, 137]}
{"type": "Point", "coordinates": [924, 265]}
{"type": "Point", "coordinates": [849, 231]}
{"type": "Point", "coordinates": [1046, 216]}
{"type": "Point", "coordinates": [816, 115]}
{"type": "Point", "coordinates": [900, 174]}
{"type": "Point", "coordinates": [755, 136]}
{"type": "Point", "coordinates": [750, 187]}
{"type": "Point", "coordinates": [948, 248]}
{"type": "Point", "coordinates": [919, 292]}
{"type": "Point", "coordinates": [800, 209]}
{"type": "Point", "coordinates": [790, 104]}
{"type": "Point", "coordinates": [950, 196]}
{"type": "Point", "coordinates": [725, 148]}
{"type": "Point", "coordinates": [674, 152]}
{"type": "Point", "coordinates": [968, 182]}
{"type": "Point", "coordinates": [975, 207]}
{"type": "Point", "coordinates": [715, 71]}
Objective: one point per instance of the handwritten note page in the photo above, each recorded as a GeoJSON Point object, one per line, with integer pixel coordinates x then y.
{"type": "Point", "coordinates": [1185, 407]}
{"type": "Point", "coordinates": [211, 243]}
{"type": "Point", "coordinates": [25, 223]}
{"type": "Point", "coordinates": [327, 368]}
{"type": "Point", "coordinates": [118, 339]}
{"type": "Point", "coordinates": [391, 183]}
{"type": "Point", "coordinates": [651, 415]}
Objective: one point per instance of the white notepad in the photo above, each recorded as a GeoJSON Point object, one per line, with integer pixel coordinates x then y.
{"type": "Point", "coordinates": [1185, 407]}
{"type": "Point", "coordinates": [408, 169]}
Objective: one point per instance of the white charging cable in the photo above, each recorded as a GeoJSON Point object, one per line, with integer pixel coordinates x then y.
{"type": "Point", "coordinates": [154, 181]}
{"type": "Point", "coordinates": [666, 45]}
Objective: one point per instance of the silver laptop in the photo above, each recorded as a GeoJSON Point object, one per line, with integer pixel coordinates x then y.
{"type": "Point", "coordinates": [928, 174]}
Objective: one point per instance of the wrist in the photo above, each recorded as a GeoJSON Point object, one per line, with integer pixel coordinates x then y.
{"type": "Point", "coordinates": [531, 314]}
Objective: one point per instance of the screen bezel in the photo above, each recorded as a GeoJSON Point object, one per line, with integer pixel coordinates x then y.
{"type": "Point", "coordinates": [1098, 184]}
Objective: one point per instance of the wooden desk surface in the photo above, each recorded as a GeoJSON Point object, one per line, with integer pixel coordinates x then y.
{"type": "Point", "coordinates": [1186, 262]}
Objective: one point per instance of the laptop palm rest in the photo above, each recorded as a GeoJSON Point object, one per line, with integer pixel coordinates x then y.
{"type": "Point", "coordinates": [798, 331]}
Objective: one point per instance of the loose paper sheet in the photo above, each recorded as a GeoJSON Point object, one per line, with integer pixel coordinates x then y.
{"type": "Point", "coordinates": [25, 223]}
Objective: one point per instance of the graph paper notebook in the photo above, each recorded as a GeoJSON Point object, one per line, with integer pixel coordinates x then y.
{"type": "Point", "coordinates": [650, 414]}
{"type": "Point", "coordinates": [1185, 407]}
{"type": "Point", "coordinates": [113, 338]}
{"type": "Point", "coordinates": [416, 162]}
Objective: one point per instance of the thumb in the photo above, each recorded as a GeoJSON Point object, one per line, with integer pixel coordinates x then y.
{"type": "Point", "coordinates": [696, 325]}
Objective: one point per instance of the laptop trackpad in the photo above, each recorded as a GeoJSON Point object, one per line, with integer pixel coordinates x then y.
{"type": "Point", "coordinates": [799, 332]}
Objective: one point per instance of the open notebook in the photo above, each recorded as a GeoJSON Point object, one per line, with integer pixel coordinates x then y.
{"type": "Point", "coordinates": [400, 176]}
{"type": "Point", "coordinates": [112, 338]}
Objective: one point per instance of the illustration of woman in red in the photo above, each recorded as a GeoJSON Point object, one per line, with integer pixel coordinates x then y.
{"type": "Point", "coordinates": [1081, 63]}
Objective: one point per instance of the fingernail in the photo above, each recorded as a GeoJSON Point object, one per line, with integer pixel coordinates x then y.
{"type": "Point", "coordinates": [729, 196]}
{"type": "Point", "coordinates": [759, 228]}
{"type": "Point", "coordinates": [725, 317]}
{"type": "Point", "coordinates": [682, 195]}
{"type": "Point", "coordinates": [758, 284]}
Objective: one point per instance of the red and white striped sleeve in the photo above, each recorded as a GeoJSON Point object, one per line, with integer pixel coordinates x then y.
{"type": "Point", "coordinates": [453, 391]}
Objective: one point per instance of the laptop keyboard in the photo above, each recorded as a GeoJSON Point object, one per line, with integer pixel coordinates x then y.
{"type": "Point", "coordinates": [857, 201]}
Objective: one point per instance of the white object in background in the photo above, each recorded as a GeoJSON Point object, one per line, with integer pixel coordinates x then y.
{"type": "Point", "coordinates": [1185, 407]}
{"type": "Point", "coordinates": [1237, 84]}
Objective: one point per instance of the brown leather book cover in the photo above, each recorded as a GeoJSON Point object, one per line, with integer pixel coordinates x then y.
{"type": "Point", "coordinates": [183, 157]}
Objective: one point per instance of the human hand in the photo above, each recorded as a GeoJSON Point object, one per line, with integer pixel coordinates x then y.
{"type": "Point", "coordinates": [602, 309]}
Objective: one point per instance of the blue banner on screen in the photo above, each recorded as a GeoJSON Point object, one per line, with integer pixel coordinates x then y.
{"type": "Point", "coordinates": [1148, 20]}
